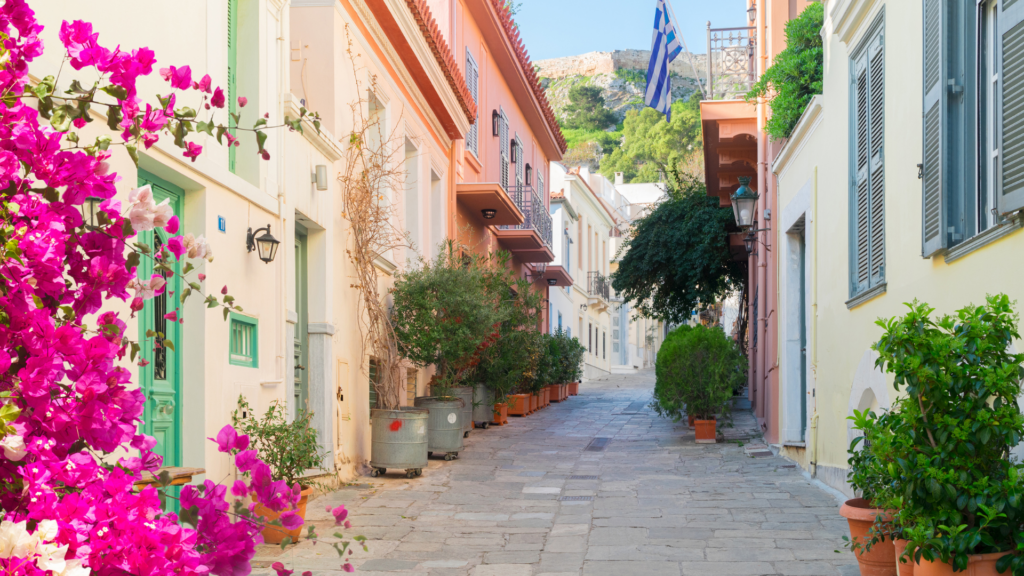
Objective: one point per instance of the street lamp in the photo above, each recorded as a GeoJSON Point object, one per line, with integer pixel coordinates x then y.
{"type": "Point", "coordinates": [744, 200]}
{"type": "Point", "coordinates": [265, 245]}
{"type": "Point", "coordinates": [495, 123]}
{"type": "Point", "coordinates": [748, 242]}
{"type": "Point", "coordinates": [752, 13]}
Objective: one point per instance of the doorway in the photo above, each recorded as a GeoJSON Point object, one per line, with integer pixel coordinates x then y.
{"type": "Point", "coordinates": [301, 342]}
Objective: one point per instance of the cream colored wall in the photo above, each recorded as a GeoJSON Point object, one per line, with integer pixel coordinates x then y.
{"type": "Point", "coordinates": [840, 337]}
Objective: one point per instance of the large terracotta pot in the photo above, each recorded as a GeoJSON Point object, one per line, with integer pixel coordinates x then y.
{"type": "Point", "coordinates": [544, 399]}
{"type": "Point", "coordinates": [500, 414]}
{"type": "Point", "coordinates": [276, 534]}
{"type": "Point", "coordinates": [534, 403]}
{"type": "Point", "coordinates": [977, 565]}
{"type": "Point", "coordinates": [881, 559]}
{"type": "Point", "coordinates": [905, 568]}
{"type": "Point", "coordinates": [518, 404]}
{"type": "Point", "coordinates": [574, 388]}
{"type": "Point", "coordinates": [689, 419]}
{"type": "Point", "coordinates": [554, 392]}
{"type": "Point", "coordinates": [706, 433]}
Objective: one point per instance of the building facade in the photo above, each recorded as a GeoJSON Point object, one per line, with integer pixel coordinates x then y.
{"type": "Point", "coordinates": [894, 186]}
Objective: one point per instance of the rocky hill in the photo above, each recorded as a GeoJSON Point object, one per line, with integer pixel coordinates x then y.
{"type": "Point", "coordinates": [620, 74]}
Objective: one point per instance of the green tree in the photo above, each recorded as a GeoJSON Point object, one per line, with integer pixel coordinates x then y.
{"type": "Point", "coordinates": [677, 257]}
{"type": "Point", "coordinates": [586, 109]}
{"type": "Point", "coordinates": [796, 74]}
{"type": "Point", "coordinates": [652, 147]}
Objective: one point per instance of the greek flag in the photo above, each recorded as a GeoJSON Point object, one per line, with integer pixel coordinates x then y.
{"type": "Point", "coordinates": [665, 48]}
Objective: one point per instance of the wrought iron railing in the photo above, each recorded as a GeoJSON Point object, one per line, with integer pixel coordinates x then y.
{"type": "Point", "coordinates": [732, 64]}
{"type": "Point", "coordinates": [598, 285]}
{"type": "Point", "coordinates": [537, 217]}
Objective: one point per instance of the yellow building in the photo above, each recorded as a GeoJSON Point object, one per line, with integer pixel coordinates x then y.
{"type": "Point", "coordinates": [900, 182]}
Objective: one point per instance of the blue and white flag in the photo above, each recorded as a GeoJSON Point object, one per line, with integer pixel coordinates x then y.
{"type": "Point", "coordinates": [665, 47]}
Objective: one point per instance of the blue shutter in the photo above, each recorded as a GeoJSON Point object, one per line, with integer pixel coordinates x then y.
{"type": "Point", "coordinates": [860, 209]}
{"type": "Point", "coordinates": [1011, 130]}
{"type": "Point", "coordinates": [933, 205]}
{"type": "Point", "coordinates": [876, 164]}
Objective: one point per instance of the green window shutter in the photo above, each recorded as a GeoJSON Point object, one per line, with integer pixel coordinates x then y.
{"type": "Point", "coordinates": [933, 205]}
{"type": "Point", "coordinates": [1011, 130]}
{"type": "Point", "coordinates": [860, 209]}
{"type": "Point", "coordinates": [876, 164]}
{"type": "Point", "coordinates": [232, 72]}
{"type": "Point", "coordinates": [243, 347]}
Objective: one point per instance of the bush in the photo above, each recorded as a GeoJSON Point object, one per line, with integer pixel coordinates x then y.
{"type": "Point", "coordinates": [443, 315]}
{"type": "Point", "coordinates": [289, 448]}
{"type": "Point", "coordinates": [572, 351]}
{"type": "Point", "coordinates": [696, 371]}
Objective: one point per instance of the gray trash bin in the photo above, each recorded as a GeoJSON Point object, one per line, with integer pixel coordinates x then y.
{"type": "Point", "coordinates": [444, 426]}
{"type": "Point", "coordinates": [399, 441]}
{"type": "Point", "coordinates": [465, 393]}
{"type": "Point", "coordinates": [483, 405]}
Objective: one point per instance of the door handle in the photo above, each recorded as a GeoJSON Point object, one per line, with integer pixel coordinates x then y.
{"type": "Point", "coordinates": [300, 367]}
{"type": "Point", "coordinates": [166, 408]}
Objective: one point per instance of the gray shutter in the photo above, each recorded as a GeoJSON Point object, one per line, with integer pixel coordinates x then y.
{"type": "Point", "coordinates": [503, 145]}
{"type": "Point", "coordinates": [933, 206]}
{"type": "Point", "coordinates": [520, 162]}
{"type": "Point", "coordinates": [1011, 132]}
{"type": "Point", "coordinates": [861, 211]}
{"type": "Point", "coordinates": [473, 83]}
{"type": "Point", "coordinates": [876, 113]}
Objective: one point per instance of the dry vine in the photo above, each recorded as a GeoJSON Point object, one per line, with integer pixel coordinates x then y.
{"type": "Point", "coordinates": [371, 164]}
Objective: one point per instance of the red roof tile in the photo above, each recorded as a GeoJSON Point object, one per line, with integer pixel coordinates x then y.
{"type": "Point", "coordinates": [443, 54]}
{"type": "Point", "coordinates": [531, 76]}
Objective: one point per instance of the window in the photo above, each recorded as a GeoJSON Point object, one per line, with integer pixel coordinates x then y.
{"type": "Point", "coordinates": [503, 149]}
{"type": "Point", "coordinates": [520, 163]}
{"type": "Point", "coordinates": [616, 326]}
{"type": "Point", "coordinates": [374, 380]}
{"type": "Point", "coordinates": [244, 341]}
{"type": "Point", "coordinates": [590, 338]}
{"type": "Point", "coordinates": [604, 345]}
{"type": "Point", "coordinates": [410, 386]}
{"type": "Point", "coordinates": [867, 192]}
{"type": "Point", "coordinates": [473, 83]}
{"type": "Point", "coordinates": [559, 321]}
{"type": "Point", "coordinates": [973, 103]}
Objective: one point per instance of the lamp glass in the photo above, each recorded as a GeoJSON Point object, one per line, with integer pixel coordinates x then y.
{"type": "Point", "coordinates": [489, 213]}
{"type": "Point", "coordinates": [495, 123]}
{"type": "Point", "coordinates": [321, 177]}
{"type": "Point", "coordinates": [266, 245]}
{"type": "Point", "coordinates": [748, 242]}
{"type": "Point", "coordinates": [752, 13]}
{"type": "Point", "coordinates": [90, 209]}
{"type": "Point", "coordinates": [744, 200]}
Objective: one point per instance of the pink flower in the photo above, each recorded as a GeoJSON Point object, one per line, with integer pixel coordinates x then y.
{"type": "Point", "coordinates": [137, 304]}
{"type": "Point", "coordinates": [280, 569]}
{"type": "Point", "coordinates": [145, 214]}
{"type": "Point", "coordinates": [290, 520]}
{"type": "Point", "coordinates": [176, 245]}
{"type": "Point", "coordinates": [5, 361]}
{"type": "Point", "coordinates": [217, 101]}
{"type": "Point", "coordinates": [180, 78]}
{"type": "Point", "coordinates": [224, 290]}
{"type": "Point", "coordinates": [148, 139]}
{"type": "Point", "coordinates": [246, 460]}
{"type": "Point", "coordinates": [172, 316]}
{"type": "Point", "coordinates": [201, 276]}
{"type": "Point", "coordinates": [339, 513]}
{"type": "Point", "coordinates": [79, 122]}
{"type": "Point", "coordinates": [203, 85]}
{"type": "Point", "coordinates": [14, 447]}
{"type": "Point", "coordinates": [265, 154]}
{"type": "Point", "coordinates": [347, 567]}
{"type": "Point", "coordinates": [239, 488]}
{"type": "Point", "coordinates": [193, 151]}
{"type": "Point", "coordinates": [229, 440]}
{"type": "Point", "coordinates": [172, 225]}
{"type": "Point", "coordinates": [148, 289]}
{"type": "Point", "coordinates": [154, 119]}
{"type": "Point", "coordinates": [198, 247]}
{"type": "Point", "coordinates": [242, 101]}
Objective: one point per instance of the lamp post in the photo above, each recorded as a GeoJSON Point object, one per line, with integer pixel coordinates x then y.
{"type": "Point", "coordinates": [744, 201]}
{"type": "Point", "coordinates": [265, 245]}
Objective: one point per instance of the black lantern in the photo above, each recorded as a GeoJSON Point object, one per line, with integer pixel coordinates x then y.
{"type": "Point", "coordinates": [744, 200]}
{"type": "Point", "coordinates": [552, 281]}
{"type": "Point", "coordinates": [265, 245]}
{"type": "Point", "coordinates": [748, 242]}
{"type": "Point", "coordinates": [489, 213]}
{"type": "Point", "coordinates": [515, 152]}
{"type": "Point", "coordinates": [752, 13]}
{"type": "Point", "coordinates": [495, 123]}
{"type": "Point", "coordinates": [90, 212]}
{"type": "Point", "coordinates": [529, 175]}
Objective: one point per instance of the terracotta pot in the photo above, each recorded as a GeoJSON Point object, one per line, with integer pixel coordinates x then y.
{"type": "Point", "coordinates": [706, 431]}
{"type": "Point", "coordinates": [500, 414]}
{"type": "Point", "coordinates": [554, 392]}
{"type": "Point", "coordinates": [543, 397]}
{"type": "Point", "coordinates": [534, 403]}
{"type": "Point", "coordinates": [881, 559]}
{"type": "Point", "coordinates": [574, 388]}
{"type": "Point", "coordinates": [690, 420]}
{"type": "Point", "coordinates": [905, 568]}
{"type": "Point", "coordinates": [977, 565]}
{"type": "Point", "coordinates": [518, 404]}
{"type": "Point", "coordinates": [276, 534]}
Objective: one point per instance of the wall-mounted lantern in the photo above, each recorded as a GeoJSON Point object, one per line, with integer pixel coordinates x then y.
{"type": "Point", "coordinates": [529, 175]}
{"type": "Point", "coordinates": [495, 123]}
{"type": "Point", "coordinates": [552, 281]}
{"type": "Point", "coordinates": [265, 245]}
{"type": "Point", "coordinates": [320, 177]}
{"type": "Point", "coordinates": [748, 242]}
{"type": "Point", "coordinates": [489, 213]}
{"type": "Point", "coordinates": [515, 152]}
{"type": "Point", "coordinates": [90, 212]}
{"type": "Point", "coordinates": [752, 13]}
{"type": "Point", "coordinates": [744, 201]}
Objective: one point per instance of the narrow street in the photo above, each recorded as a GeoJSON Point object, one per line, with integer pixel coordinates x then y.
{"type": "Point", "coordinates": [596, 485]}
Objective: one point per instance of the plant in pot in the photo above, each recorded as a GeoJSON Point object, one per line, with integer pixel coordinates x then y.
{"type": "Point", "coordinates": [548, 366]}
{"type": "Point", "coordinates": [290, 448]}
{"type": "Point", "coordinates": [962, 504]}
{"type": "Point", "coordinates": [570, 361]}
{"type": "Point", "coordinates": [442, 316]}
{"type": "Point", "coordinates": [695, 373]}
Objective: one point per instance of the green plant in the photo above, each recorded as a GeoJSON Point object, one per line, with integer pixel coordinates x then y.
{"type": "Point", "coordinates": [959, 492]}
{"type": "Point", "coordinates": [442, 316]}
{"type": "Point", "coordinates": [796, 75]}
{"type": "Point", "coordinates": [676, 257]}
{"type": "Point", "coordinates": [586, 109]}
{"type": "Point", "coordinates": [290, 448]}
{"type": "Point", "coordinates": [695, 373]}
{"type": "Point", "coordinates": [549, 366]}
{"type": "Point", "coordinates": [651, 147]}
{"type": "Point", "coordinates": [571, 351]}
{"type": "Point", "coordinates": [633, 76]}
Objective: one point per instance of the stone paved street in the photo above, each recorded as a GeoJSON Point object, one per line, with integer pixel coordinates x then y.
{"type": "Point", "coordinates": [531, 499]}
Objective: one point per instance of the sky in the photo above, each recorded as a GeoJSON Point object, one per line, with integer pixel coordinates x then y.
{"type": "Point", "coordinates": [555, 28]}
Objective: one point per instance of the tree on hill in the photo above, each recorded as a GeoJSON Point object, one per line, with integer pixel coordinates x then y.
{"type": "Point", "coordinates": [676, 259]}
{"type": "Point", "coordinates": [652, 147]}
{"type": "Point", "coordinates": [586, 109]}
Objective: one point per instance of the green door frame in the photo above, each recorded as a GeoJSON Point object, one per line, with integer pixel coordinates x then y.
{"type": "Point", "coordinates": [160, 380]}
{"type": "Point", "coordinates": [302, 324]}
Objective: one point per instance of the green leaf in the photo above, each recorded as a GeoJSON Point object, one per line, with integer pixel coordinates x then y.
{"type": "Point", "coordinates": [164, 478]}
{"type": "Point", "coordinates": [118, 92]}
{"type": "Point", "coordinates": [206, 127]}
{"type": "Point", "coordinates": [169, 345]}
{"type": "Point", "coordinates": [226, 312]}
{"type": "Point", "coordinates": [211, 301]}
{"type": "Point", "coordinates": [261, 138]}
{"type": "Point", "coordinates": [103, 142]}
{"type": "Point", "coordinates": [220, 133]}
{"type": "Point", "coordinates": [61, 119]}
{"type": "Point", "coordinates": [185, 294]}
{"type": "Point", "coordinates": [133, 151]}
{"type": "Point", "coordinates": [45, 87]}
{"type": "Point", "coordinates": [284, 543]}
{"type": "Point", "coordinates": [135, 350]}
{"type": "Point", "coordinates": [188, 268]}
{"type": "Point", "coordinates": [114, 118]}
{"type": "Point", "coordinates": [260, 123]}
{"type": "Point", "coordinates": [50, 194]}
{"type": "Point", "coordinates": [316, 124]}
{"type": "Point", "coordinates": [179, 134]}
{"type": "Point", "coordinates": [235, 117]}
{"type": "Point", "coordinates": [132, 261]}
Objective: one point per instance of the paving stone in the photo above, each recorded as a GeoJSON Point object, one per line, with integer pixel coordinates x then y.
{"type": "Point", "coordinates": [502, 570]}
{"type": "Point", "coordinates": [386, 565]}
{"type": "Point", "coordinates": [618, 568]}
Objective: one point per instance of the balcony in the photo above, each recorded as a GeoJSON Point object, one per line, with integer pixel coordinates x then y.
{"type": "Point", "coordinates": [732, 69]}
{"type": "Point", "coordinates": [490, 198]}
{"type": "Point", "coordinates": [599, 289]}
{"type": "Point", "coordinates": [531, 240]}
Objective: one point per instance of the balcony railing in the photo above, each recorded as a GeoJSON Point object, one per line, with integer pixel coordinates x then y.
{"type": "Point", "coordinates": [732, 65]}
{"type": "Point", "coordinates": [598, 285]}
{"type": "Point", "coordinates": [533, 208]}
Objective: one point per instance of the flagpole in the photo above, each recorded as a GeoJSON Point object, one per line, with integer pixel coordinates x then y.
{"type": "Point", "coordinates": [689, 55]}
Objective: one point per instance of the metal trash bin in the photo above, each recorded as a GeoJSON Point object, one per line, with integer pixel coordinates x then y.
{"type": "Point", "coordinates": [399, 440]}
{"type": "Point", "coordinates": [444, 426]}
{"type": "Point", "coordinates": [483, 405]}
{"type": "Point", "coordinates": [465, 393]}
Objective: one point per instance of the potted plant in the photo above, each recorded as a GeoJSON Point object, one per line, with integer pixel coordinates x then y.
{"type": "Point", "coordinates": [962, 506]}
{"type": "Point", "coordinates": [442, 317]}
{"type": "Point", "coordinates": [570, 361]}
{"type": "Point", "coordinates": [290, 448]}
{"type": "Point", "coordinates": [695, 372]}
{"type": "Point", "coordinates": [872, 532]}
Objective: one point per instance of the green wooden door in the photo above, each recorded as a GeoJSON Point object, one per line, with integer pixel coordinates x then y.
{"type": "Point", "coordinates": [302, 325]}
{"type": "Point", "coordinates": [160, 379]}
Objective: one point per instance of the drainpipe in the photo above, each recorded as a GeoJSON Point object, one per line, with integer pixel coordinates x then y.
{"type": "Point", "coordinates": [814, 445]}
{"type": "Point", "coordinates": [814, 322]}
{"type": "Point", "coordinates": [762, 258]}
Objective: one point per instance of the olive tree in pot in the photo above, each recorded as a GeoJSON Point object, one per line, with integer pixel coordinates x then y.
{"type": "Point", "coordinates": [442, 317]}
{"type": "Point", "coordinates": [960, 504]}
{"type": "Point", "coordinates": [291, 449]}
{"type": "Point", "coordinates": [695, 373]}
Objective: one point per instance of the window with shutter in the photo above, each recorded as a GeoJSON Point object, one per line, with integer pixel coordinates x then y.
{"type": "Point", "coordinates": [933, 209]}
{"type": "Point", "coordinates": [232, 73]}
{"type": "Point", "coordinates": [503, 149]}
{"type": "Point", "coordinates": [473, 83]}
{"type": "Point", "coordinates": [867, 183]}
{"type": "Point", "coordinates": [1011, 132]}
{"type": "Point", "coordinates": [520, 163]}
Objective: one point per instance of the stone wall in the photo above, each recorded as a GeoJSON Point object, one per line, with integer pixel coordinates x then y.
{"type": "Point", "coordinates": [595, 63]}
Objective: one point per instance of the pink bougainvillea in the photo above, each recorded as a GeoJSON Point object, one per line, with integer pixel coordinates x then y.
{"type": "Point", "coordinates": [70, 507]}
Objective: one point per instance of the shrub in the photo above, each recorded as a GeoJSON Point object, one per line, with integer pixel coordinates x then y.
{"type": "Point", "coordinates": [289, 448]}
{"type": "Point", "coordinates": [571, 360]}
{"type": "Point", "coordinates": [696, 371]}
